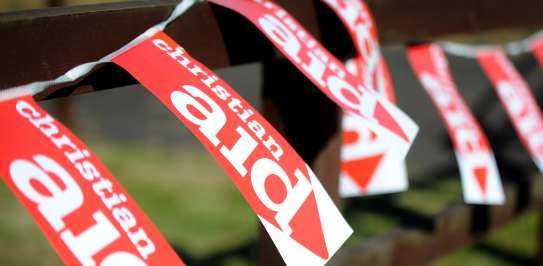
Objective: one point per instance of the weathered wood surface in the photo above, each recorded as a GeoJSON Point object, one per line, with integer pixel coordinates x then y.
{"type": "Point", "coordinates": [42, 44]}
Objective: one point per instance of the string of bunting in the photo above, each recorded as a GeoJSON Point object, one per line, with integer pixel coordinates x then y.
{"type": "Point", "coordinates": [480, 178]}
{"type": "Point", "coordinates": [369, 165]}
{"type": "Point", "coordinates": [91, 220]}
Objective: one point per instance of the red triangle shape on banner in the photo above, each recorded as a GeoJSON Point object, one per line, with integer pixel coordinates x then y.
{"type": "Point", "coordinates": [480, 176]}
{"type": "Point", "coordinates": [362, 170]}
{"type": "Point", "coordinates": [385, 119]}
{"type": "Point", "coordinates": [309, 233]}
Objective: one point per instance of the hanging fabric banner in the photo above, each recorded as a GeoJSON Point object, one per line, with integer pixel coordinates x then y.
{"type": "Point", "coordinates": [370, 64]}
{"type": "Point", "coordinates": [296, 211]}
{"type": "Point", "coordinates": [327, 72]}
{"type": "Point", "coordinates": [518, 100]}
{"type": "Point", "coordinates": [84, 212]}
{"type": "Point", "coordinates": [480, 178]}
{"type": "Point", "coordinates": [368, 164]}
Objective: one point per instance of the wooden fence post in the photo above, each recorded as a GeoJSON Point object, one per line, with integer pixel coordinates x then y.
{"type": "Point", "coordinates": [310, 123]}
{"type": "Point", "coordinates": [63, 108]}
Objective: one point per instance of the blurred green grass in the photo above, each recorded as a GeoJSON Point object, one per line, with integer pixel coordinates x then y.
{"type": "Point", "coordinates": [514, 244]}
{"type": "Point", "coordinates": [187, 196]}
{"type": "Point", "coordinates": [198, 209]}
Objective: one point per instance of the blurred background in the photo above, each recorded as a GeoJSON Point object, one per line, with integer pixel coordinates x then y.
{"type": "Point", "coordinates": [166, 170]}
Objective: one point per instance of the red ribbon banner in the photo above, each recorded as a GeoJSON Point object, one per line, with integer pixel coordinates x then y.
{"type": "Point", "coordinates": [289, 200]}
{"type": "Point", "coordinates": [327, 72]}
{"type": "Point", "coordinates": [368, 164]}
{"type": "Point", "coordinates": [85, 213]}
{"type": "Point", "coordinates": [480, 178]}
{"type": "Point", "coordinates": [537, 49]}
{"type": "Point", "coordinates": [370, 64]}
{"type": "Point", "coordinates": [518, 100]}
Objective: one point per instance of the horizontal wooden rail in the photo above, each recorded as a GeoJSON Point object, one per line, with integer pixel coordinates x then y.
{"type": "Point", "coordinates": [453, 228]}
{"type": "Point", "coordinates": [42, 44]}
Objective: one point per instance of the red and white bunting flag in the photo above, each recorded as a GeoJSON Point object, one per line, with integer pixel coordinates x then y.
{"type": "Point", "coordinates": [480, 178]}
{"type": "Point", "coordinates": [518, 100]}
{"type": "Point", "coordinates": [368, 164]}
{"type": "Point", "coordinates": [372, 69]}
{"type": "Point", "coordinates": [298, 214]}
{"type": "Point", "coordinates": [327, 72]}
{"type": "Point", "coordinates": [84, 212]}
{"type": "Point", "coordinates": [537, 50]}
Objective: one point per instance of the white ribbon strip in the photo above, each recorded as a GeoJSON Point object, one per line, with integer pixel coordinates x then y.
{"type": "Point", "coordinates": [463, 50]}
{"type": "Point", "coordinates": [83, 69]}
{"type": "Point", "coordinates": [513, 48]}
